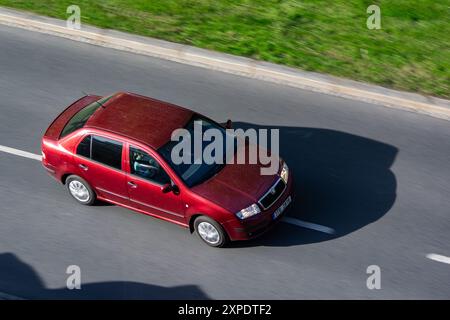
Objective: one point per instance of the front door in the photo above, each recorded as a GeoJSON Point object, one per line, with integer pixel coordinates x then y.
{"type": "Point", "coordinates": [145, 183]}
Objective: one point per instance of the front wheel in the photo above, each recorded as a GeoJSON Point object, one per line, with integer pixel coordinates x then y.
{"type": "Point", "coordinates": [210, 231]}
{"type": "Point", "coordinates": [80, 190]}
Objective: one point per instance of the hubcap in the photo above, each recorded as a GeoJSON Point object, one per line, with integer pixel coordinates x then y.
{"type": "Point", "coordinates": [208, 232]}
{"type": "Point", "coordinates": [79, 191]}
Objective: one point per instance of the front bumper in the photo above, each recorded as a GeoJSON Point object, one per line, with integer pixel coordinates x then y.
{"type": "Point", "coordinates": [257, 225]}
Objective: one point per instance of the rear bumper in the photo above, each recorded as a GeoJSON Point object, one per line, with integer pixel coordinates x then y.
{"type": "Point", "coordinates": [262, 222]}
{"type": "Point", "coordinates": [51, 170]}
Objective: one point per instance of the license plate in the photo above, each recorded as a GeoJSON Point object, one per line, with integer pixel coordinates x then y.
{"type": "Point", "coordinates": [281, 208]}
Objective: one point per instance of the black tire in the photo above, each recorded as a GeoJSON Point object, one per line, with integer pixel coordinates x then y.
{"type": "Point", "coordinates": [223, 237]}
{"type": "Point", "coordinates": [91, 194]}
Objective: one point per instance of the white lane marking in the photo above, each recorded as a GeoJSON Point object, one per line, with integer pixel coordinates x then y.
{"type": "Point", "coordinates": [438, 258]}
{"type": "Point", "coordinates": [5, 296]}
{"type": "Point", "coordinates": [308, 225]}
{"type": "Point", "coordinates": [20, 153]}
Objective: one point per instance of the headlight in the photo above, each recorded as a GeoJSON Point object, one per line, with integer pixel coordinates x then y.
{"type": "Point", "coordinates": [248, 212]}
{"type": "Point", "coordinates": [285, 173]}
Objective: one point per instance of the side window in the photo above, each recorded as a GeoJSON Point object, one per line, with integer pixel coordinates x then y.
{"type": "Point", "coordinates": [84, 148]}
{"type": "Point", "coordinates": [107, 151]}
{"type": "Point", "coordinates": [145, 166]}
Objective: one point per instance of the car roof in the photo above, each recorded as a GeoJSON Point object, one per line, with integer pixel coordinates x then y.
{"type": "Point", "coordinates": [143, 119]}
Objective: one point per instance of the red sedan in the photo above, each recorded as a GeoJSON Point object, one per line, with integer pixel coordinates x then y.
{"type": "Point", "coordinates": [117, 149]}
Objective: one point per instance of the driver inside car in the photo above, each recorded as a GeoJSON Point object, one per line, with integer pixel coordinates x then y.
{"type": "Point", "coordinates": [144, 166]}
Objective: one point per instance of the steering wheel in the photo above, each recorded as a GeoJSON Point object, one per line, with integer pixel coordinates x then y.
{"type": "Point", "coordinates": [145, 169]}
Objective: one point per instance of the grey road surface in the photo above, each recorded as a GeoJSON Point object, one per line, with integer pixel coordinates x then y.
{"type": "Point", "coordinates": [378, 177]}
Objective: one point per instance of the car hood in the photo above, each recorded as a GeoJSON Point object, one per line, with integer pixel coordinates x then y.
{"type": "Point", "coordinates": [236, 186]}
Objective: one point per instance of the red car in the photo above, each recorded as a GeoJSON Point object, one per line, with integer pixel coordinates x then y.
{"type": "Point", "coordinates": [117, 149]}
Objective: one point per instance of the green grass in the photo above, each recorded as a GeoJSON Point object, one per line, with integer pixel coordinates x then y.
{"type": "Point", "coordinates": [411, 52]}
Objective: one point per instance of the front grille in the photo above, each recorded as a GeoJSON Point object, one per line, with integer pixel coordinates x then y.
{"type": "Point", "coordinates": [273, 194]}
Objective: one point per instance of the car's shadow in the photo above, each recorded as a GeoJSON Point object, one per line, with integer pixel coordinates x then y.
{"type": "Point", "coordinates": [21, 280]}
{"type": "Point", "coordinates": [342, 181]}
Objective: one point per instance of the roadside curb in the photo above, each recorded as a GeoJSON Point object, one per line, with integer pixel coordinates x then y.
{"type": "Point", "coordinates": [435, 107]}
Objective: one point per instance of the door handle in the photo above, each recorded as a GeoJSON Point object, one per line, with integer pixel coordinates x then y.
{"type": "Point", "coordinates": [132, 184]}
{"type": "Point", "coordinates": [84, 167]}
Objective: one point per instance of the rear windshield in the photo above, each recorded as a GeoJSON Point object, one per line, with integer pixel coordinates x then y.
{"type": "Point", "coordinates": [82, 116]}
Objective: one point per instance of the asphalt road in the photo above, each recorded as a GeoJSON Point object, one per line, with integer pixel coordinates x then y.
{"type": "Point", "coordinates": [379, 177]}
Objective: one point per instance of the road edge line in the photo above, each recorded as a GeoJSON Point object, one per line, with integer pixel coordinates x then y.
{"type": "Point", "coordinates": [435, 107]}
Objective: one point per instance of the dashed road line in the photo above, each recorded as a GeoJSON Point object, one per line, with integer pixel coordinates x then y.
{"type": "Point", "coordinates": [5, 296]}
{"type": "Point", "coordinates": [308, 225]}
{"type": "Point", "coordinates": [438, 258]}
{"type": "Point", "coordinates": [20, 153]}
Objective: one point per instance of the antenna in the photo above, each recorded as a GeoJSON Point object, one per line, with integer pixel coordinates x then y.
{"type": "Point", "coordinates": [99, 103]}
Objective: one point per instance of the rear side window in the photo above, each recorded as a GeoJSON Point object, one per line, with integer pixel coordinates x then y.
{"type": "Point", "coordinates": [84, 148]}
{"type": "Point", "coordinates": [107, 151]}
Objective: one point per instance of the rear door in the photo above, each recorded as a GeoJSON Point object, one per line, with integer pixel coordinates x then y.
{"type": "Point", "coordinates": [99, 161]}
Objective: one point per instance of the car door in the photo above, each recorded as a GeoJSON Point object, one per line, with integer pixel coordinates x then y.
{"type": "Point", "coordinates": [145, 181]}
{"type": "Point", "coordinates": [99, 161]}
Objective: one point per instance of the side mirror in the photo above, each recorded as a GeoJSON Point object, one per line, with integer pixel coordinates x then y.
{"type": "Point", "coordinates": [170, 188]}
{"type": "Point", "coordinates": [229, 124]}
{"type": "Point", "coordinates": [166, 188]}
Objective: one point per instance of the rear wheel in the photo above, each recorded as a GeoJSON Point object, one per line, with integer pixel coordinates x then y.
{"type": "Point", "coordinates": [80, 190]}
{"type": "Point", "coordinates": [210, 231]}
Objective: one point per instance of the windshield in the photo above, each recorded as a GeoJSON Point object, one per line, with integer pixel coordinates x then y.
{"type": "Point", "coordinates": [193, 174]}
